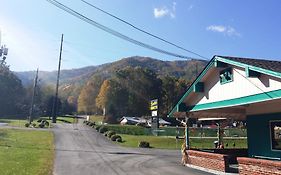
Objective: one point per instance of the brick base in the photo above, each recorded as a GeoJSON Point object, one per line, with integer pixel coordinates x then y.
{"type": "Point", "coordinates": [258, 166]}
{"type": "Point", "coordinates": [218, 162]}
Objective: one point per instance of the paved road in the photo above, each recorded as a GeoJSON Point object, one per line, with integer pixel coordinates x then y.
{"type": "Point", "coordinates": [82, 151]}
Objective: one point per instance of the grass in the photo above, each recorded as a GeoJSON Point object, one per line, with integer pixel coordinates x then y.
{"type": "Point", "coordinates": [209, 143]}
{"type": "Point", "coordinates": [14, 122]}
{"type": "Point", "coordinates": [97, 119]}
{"type": "Point", "coordinates": [129, 129]}
{"type": "Point", "coordinates": [154, 141]}
{"type": "Point", "coordinates": [25, 152]}
{"type": "Point", "coordinates": [170, 142]}
{"type": "Point", "coordinates": [22, 122]}
{"type": "Point", "coordinates": [173, 131]}
{"type": "Point", "coordinates": [62, 119]}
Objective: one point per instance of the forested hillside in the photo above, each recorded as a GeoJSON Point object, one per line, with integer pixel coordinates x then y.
{"type": "Point", "coordinates": [124, 87]}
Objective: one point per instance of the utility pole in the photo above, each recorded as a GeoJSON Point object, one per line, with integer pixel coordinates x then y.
{"type": "Point", "coordinates": [32, 99]}
{"type": "Point", "coordinates": [55, 104]}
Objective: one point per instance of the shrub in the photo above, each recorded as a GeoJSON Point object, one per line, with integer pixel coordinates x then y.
{"type": "Point", "coordinates": [91, 124]}
{"type": "Point", "coordinates": [115, 137]}
{"type": "Point", "coordinates": [144, 144]}
{"type": "Point", "coordinates": [98, 127]}
{"type": "Point", "coordinates": [26, 125]}
{"type": "Point", "coordinates": [110, 134]}
{"type": "Point", "coordinates": [129, 129]}
{"type": "Point", "coordinates": [47, 123]}
{"type": "Point", "coordinates": [103, 129]}
{"type": "Point", "coordinates": [33, 125]}
{"type": "Point", "coordinates": [41, 125]}
{"type": "Point", "coordinates": [85, 121]}
{"type": "Point", "coordinates": [119, 139]}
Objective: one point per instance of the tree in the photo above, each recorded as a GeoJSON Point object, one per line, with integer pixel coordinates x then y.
{"type": "Point", "coordinates": [102, 98]}
{"type": "Point", "coordinates": [11, 92]}
{"type": "Point", "coordinates": [129, 92]}
{"type": "Point", "coordinates": [88, 94]}
{"type": "Point", "coordinates": [172, 89]}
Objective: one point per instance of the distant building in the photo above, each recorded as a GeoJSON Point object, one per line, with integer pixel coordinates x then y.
{"type": "Point", "coordinates": [131, 120]}
{"type": "Point", "coordinates": [136, 120]}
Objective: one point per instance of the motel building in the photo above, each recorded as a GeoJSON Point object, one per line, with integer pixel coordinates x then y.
{"type": "Point", "coordinates": [238, 89]}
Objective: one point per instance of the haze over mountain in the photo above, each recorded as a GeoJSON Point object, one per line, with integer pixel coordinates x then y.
{"type": "Point", "coordinates": [182, 68]}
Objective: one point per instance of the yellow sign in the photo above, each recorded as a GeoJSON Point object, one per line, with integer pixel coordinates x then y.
{"type": "Point", "coordinates": [152, 108]}
{"type": "Point", "coordinates": [154, 104]}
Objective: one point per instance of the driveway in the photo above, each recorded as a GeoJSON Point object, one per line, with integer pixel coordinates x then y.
{"type": "Point", "coordinates": [80, 150]}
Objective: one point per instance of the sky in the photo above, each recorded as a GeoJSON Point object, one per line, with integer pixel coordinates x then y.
{"type": "Point", "coordinates": [32, 30]}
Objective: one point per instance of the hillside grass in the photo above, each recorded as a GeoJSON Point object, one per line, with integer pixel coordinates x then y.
{"type": "Point", "coordinates": [25, 152]}
{"type": "Point", "coordinates": [163, 142]}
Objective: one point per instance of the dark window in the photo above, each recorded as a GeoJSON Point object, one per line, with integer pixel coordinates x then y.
{"type": "Point", "coordinates": [275, 127]}
{"type": "Point", "coordinates": [226, 76]}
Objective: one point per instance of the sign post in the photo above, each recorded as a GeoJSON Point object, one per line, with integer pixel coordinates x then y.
{"type": "Point", "coordinates": [154, 118]}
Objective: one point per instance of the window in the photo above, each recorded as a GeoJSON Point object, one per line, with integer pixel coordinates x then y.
{"type": "Point", "coordinates": [275, 127]}
{"type": "Point", "coordinates": [226, 76]}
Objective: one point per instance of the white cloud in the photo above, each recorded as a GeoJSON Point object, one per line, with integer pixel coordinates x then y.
{"type": "Point", "coordinates": [160, 12]}
{"type": "Point", "coordinates": [164, 11]}
{"type": "Point", "coordinates": [227, 30]}
{"type": "Point", "coordinates": [174, 6]}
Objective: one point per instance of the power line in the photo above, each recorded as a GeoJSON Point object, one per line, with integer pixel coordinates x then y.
{"type": "Point", "coordinates": [143, 31]}
{"type": "Point", "coordinates": [111, 31]}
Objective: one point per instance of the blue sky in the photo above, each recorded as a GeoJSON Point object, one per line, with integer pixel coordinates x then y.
{"type": "Point", "coordinates": [31, 29]}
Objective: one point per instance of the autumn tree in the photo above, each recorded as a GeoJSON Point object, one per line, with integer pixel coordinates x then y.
{"type": "Point", "coordinates": [88, 95]}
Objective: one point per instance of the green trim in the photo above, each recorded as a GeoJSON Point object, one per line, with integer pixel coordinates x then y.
{"type": "Point", "coordinates": [218, 61]}
{"type": "Point", "coordinates": [237, 101]}
{"type": "Point", "coordinates": [190, 89]}
{"type": "Point", "coordinates": [250, 67]}
{"type": "Point", "coordinates": [219, 64]}
{"type": "Point", "coordinates": [251, 73]}
{"type": "Point", "coordinates": [198, 87]}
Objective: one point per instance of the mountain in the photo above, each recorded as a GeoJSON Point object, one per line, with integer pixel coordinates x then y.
{"type": "Point", "coordinates": [185, 69]}
{"type": "Point", "coordinates": [71, 81]}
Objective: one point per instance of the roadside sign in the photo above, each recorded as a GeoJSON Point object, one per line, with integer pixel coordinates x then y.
{"type": "Point", "coordinates": [152, 108]}
{"type": "Point", "coordinates": [154, 104]}
{"type": "Point", "coordinates": [153, 113]}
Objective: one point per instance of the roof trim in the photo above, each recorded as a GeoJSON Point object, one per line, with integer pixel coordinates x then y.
{"type": "Point", "coordinates": [261, 97]}
{"type": "Point", "coordinates": [190, 88]}
{"type": "Point", "coordinates": [210, 65]}
{"type": "Point", "coordinates": [254, 68]}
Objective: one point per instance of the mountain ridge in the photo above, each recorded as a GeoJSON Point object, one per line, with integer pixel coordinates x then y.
{"type": "Point", "coordinates": [177, 68]}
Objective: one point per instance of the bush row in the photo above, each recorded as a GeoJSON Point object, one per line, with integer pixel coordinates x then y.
{"type": "Point", "coordinates": [41, 124]}
{"type": "Point", "coordinates": [104, 130]}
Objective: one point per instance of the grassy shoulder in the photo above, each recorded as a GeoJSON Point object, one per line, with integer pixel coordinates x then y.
{"type": "Point", "coordinates": [154, 141]}
{"type": "Point", "coordinates": [26, 152]}
{"type": "Point", "coordinates": [14, 122]}
{"type": "Point", "coordinates": [163, 142]}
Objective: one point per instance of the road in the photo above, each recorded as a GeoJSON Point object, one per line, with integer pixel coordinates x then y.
{"type": "Point", "coordinates": [80, 150]}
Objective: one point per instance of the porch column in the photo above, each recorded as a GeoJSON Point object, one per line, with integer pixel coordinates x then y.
{"type": "Point", "coordinates": [186, 131]}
